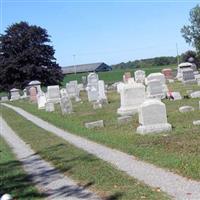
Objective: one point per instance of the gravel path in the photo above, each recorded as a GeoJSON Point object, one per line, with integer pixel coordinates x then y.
{"type": "Point", "coordinates": [47, 179]}
{"type": "Point", "coordinates": [177, 187]}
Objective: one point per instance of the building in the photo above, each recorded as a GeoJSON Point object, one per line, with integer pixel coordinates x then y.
{"type": "Point", "coordinates": [92, 67]}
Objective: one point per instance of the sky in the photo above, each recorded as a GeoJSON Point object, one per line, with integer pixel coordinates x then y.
{"type": "Point", "coordinates": [113, 31]}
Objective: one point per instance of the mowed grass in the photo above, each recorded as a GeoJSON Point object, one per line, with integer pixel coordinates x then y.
{"type": "Point", "coordinates": [13, 179]}
{"type": "Point", "coordinates": [178, 150]}
{"type": "Point", "coordinates": [85, 168]}
{"type": "Point", "coordinates": [114, 75]}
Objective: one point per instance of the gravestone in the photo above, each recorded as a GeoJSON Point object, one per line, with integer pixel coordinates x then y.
{"type": "Point", "coordinates": [102, 95]}
{"type": "Point", "coordinates": [168, 73]}
{"type": "Point", "coordinates": [197, 77]}
{"type": "Point", "coordinates": [126, 76]}
{"type": "Point", "coordinates": [81, 87]}
{"type": "Point", "coordinates": [97, 105]}
{"type": "Point", "coordinates": [124, 119]}
{"type": "Point", "coordinates": [49, 107]}
{"type": "Point", "coordinates": [92, 87]}
{"type": "Point", "coordinates": [95, 124]}
{"type": "Point", "coordinates": [84, 81]}
{"type": "Point", "coordinates": [196, 122]}
{"type": "Point", "coordinates": [72, 89]}
{"type": "Point", "coordinates": [63, 92]}
{"type": "Point", "coordinates": [195, 94]}
{"type": "Point", "coordinates": [176, 95]}
{"type": "Point", "coordinates": [5, 98]}
{"type": "Point", "coordinates": [185, 66]}
{"type": "Point", "coordinates": [184, 109]}
{"type": "Point", "coordinates": [14, 94]}
{"type": "Point", "coordinates": [41, 100]}
{"type": "Point", "coordinates": [153, 117]}
{"type": "Point", "coordinates": [188, 76]}
{"type": "Point", "coordinates": [131, 96]}
{"type": "Point", "coordinates": [33, 94]}
{"type": "Point", "coordinates": [53, 94]}
{"type": "Point", "coordinates": [139, 76]}
{"type": "Point", "coordinates": [66, 105]}
{"type": "Point", "coordinates": [37, 85]}
{"type": "Point", "coordinates": [156, 76]}
{"type": "Point", "coordinates": [24, 96]}
{"type": "Point", "coordinates": [155, 89]}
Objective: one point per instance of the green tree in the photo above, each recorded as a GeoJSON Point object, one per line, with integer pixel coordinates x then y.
{"type": "Point", "coordinates": [191, 32]}
{"type": "Point", "coordinates": [25, 55]}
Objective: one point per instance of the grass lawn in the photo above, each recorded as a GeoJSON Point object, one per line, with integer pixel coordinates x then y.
{"type": "Point", "coordinates": [115, 75]}
{"type": "Point", "coordinates": [179, 150]}
{"type": "Point", "coordinates": [81, 166]}
{"type": "Point", "coordinates": [13, 179]}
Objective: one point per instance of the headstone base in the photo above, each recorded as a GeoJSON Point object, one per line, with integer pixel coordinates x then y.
{"type": "Point", "coordinates": [156, 96]}
{"type": "Point", "coordinates": [124, 119]}
{"type": "Point", "coordinates": [127, 111]}
{"type": "Point", "coordinates": [189, 81]}
{"type": "Point", "coordinates": [156, 128]}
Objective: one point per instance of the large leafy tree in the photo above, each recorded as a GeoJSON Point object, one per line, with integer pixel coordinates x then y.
{"type": "Point", "coordinates": [25, 55]}
{"type": "Point", "coordinates": [191, 32]}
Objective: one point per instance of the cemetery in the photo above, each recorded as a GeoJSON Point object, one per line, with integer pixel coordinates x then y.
{"type": "Point", "coordinates": [166, 130]}
{"type": "Point", "coordinates": [100, 131]}
{"type": "Point", "coordinates": [143, 115]}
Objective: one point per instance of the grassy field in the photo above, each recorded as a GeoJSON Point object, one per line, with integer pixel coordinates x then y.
{"type": "Point", "coordinates": [178, 151]}
{"type": "Point", "coordinates": [86, 169]}
{"type": "Point", "coordinates": [13, 179]}
{"type": "Point", "coordinates": [115, 75]}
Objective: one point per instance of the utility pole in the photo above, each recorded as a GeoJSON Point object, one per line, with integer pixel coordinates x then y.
{"type": "Point", "coordinates": [177, 53]}
{"type": "Point", "coordinates": [74, 58]}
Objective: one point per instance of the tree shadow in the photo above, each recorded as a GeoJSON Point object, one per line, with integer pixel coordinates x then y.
{"type": "Point", "coordinates": [20, 185]}
{"type": "Point", "coordinates": [15, 182]}
{"type": "Point", "coordinates": [115, 196]}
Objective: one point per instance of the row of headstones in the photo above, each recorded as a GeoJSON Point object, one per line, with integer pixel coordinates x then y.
{"type": "Point", "coordinates": [95, 90]}
{"type": "Point", "coordinates": [186, 75]}
{"type": "Point", "coordinates": [152, 118]}
{"type": "Point", "coordinates": [134, 99]}
{"type": "Point", "coordinates": [15, 93]}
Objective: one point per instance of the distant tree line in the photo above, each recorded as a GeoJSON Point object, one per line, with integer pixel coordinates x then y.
{"type": "Point", "coordinates": [149, 62]}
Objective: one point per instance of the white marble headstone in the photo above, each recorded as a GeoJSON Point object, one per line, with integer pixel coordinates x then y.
{"type": "Point", "coordinates": [53, 94]}
{"type": "Point", "coordinates": [131, 96]}
{"type": "Point", "coordinates": [73, 89]}
{"type": "Point", "coordinates": [153, 117]}
{"type": "Point", "coordinates": [139, 76]}
{"type": "Point", "coordinates": [41, 100]}
{"type": "Point", "coordinates": [155, 89]}
{"type": "Point", "coordinates": [188, 76]}
{"type": "Point", "coordinates": [14, 94]}
{"type": "Point", "coordinates": [176, 95]}
{"type": "Point", "coordinates": [92, 87]}
{"type": "Point", "coordinates": [49, 107]}
{"type": "Point", "coordinates": [102, 94]}
{"type": "Point", "coordinates": [156, 76]}
{"type": "Point", "coordinates": [66, 105]}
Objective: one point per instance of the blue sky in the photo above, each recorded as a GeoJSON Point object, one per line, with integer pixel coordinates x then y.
{"type": "Point", "coordinates": [104, 31]}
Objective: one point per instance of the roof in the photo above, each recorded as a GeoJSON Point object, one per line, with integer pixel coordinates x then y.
{"type": "Point", "coordinates": [81, 68]}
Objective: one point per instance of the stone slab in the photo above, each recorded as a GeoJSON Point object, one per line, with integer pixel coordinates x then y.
{"type": "Point", "coordinates": [94, 124]}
